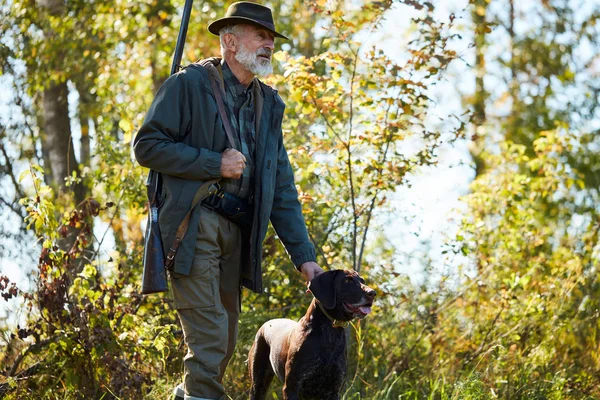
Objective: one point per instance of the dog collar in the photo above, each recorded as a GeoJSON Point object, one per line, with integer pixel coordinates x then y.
{"type": "Point", "coordinates": [336, 323]}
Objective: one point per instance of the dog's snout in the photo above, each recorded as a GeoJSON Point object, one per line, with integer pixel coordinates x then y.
{"type": "Point", "coordinates": [370, 293]}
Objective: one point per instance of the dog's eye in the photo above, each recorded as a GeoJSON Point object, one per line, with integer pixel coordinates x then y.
{"type": "Point", "coordinates": [349, 280]}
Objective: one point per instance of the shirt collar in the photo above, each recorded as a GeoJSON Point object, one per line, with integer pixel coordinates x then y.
{"type": "Point", "coordinates": [232, 82]}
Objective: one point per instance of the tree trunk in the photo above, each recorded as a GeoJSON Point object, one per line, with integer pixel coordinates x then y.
{"type": "Point", "coordinates": [478, 14]}
{"type": "Point", "coordinates": [84, 153]}
{"type": "Point", "coordinates": [57, 141]}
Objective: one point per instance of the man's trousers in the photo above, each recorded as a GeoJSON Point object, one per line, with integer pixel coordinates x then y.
{"type": "Point", "coordinates": [208, 305]}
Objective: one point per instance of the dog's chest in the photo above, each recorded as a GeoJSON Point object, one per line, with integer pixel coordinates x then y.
{"type": "Point", "coordinates": [323, 376]}
{"type": "Point", "coordinates": [323, 380]}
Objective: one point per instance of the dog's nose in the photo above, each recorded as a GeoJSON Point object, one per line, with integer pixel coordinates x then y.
{"type": "Point", "coordinates": [371, 293]}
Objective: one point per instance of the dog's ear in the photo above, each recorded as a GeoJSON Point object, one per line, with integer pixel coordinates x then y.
{"type": "Point", "coordinates": [323, 288]}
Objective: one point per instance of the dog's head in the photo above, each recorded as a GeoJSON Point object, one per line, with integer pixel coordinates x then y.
{"type": "Point", "coordinates": [343, 293]}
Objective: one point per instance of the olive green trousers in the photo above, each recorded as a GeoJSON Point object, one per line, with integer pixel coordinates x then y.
{"type": "Point", "coordinates": [208, 305]}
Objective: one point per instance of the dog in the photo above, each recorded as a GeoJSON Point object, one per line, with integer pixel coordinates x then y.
{"type": "Point", "coordinates": [309, 356]}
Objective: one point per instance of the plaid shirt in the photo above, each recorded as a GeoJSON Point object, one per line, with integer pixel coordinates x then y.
{"type": "Point", "coordinates": [240, 106]}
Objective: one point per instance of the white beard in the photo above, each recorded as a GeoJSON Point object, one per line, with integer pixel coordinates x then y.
{"type": "Point", "coordinates": [252, 62]}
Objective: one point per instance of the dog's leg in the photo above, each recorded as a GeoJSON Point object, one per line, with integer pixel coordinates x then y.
{"type": "Point", "coordinates": [261, 372]}
{"type": "Point", "coordinates": [290, 392]}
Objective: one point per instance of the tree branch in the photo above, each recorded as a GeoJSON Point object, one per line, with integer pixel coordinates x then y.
{"type": "Point", "coordinates": [7, 387]}
{"type": "Point", "coordinates": [377, 191]}
{"type": "Point", "coordinates": [487, 334]}
{"type": "Point", "coordinates": [15, 210]}
{"type": "Point", "coordinates": [319, 249]}
{"type": "Point", "coordinates": [349, 163]}
{"type": "Point", "coordinates": [327, 123]}
{"type": "Point", "coordinates": [108, 227]}
{"type": "Point", "coordinates": [10, 169]}
{"type": "Point", "coordinates": [24, 353]}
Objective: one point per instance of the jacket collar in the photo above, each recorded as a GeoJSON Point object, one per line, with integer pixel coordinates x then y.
{"type": "Point", "coordinates": [213, 67]}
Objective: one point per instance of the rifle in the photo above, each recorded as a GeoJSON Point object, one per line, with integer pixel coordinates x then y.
{"type": "Point", "coordinates": [154, 276]}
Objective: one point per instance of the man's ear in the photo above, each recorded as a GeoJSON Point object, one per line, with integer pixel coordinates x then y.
{"type": "Point", "coordinates": [323, 288]}
{"type": "Point", "coordinates": [230, 42]}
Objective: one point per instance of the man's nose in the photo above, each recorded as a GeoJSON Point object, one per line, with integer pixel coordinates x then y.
{"type": "Point", "coordinates": [270, 44]}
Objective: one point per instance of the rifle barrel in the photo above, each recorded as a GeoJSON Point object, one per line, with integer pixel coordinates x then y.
{"type": "Point", "coordinates": [185, 21]}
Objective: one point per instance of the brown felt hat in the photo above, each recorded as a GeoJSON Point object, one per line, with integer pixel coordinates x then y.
{"type": "Point", "coordinates": [245, 12]}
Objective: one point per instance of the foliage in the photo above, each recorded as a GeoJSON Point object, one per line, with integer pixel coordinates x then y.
{"type": "Point", "coordinates": [519, 320]}
{"type": "Point", "coordinates": [531, 227]}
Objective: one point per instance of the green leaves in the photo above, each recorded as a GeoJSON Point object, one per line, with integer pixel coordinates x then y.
{"type": "Point", "coordinates": [518, 316]}
{"type": "Point", "coordinates": [364, 107]}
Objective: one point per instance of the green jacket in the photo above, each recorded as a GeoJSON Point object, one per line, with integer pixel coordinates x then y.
{"type": "Point", "coordinates": [183, 137]}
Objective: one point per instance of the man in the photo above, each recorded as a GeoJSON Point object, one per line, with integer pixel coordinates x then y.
{"type": "Point", "coordinates": [183, 138]}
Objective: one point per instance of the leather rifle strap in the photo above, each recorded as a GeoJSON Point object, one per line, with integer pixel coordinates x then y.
{"type": "Point", "coordinates": [201, 194]}
{"type": "Point", "coordinates": [222, 112]}
{"type": "Point", "coordinates": [204, 190]}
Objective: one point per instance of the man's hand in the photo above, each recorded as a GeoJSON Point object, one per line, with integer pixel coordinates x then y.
{"type": "Point", "coordinates": [233, 164]}
{"type": "Point", "coordinates": [309, 270]}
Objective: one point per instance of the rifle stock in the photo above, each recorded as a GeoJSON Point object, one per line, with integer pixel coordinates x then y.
{"type": "Point", "coordinates": [154, 276]}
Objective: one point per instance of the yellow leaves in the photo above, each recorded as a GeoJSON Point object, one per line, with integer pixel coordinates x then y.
{"type": "Point", "coordinates": [482, 28]}
{"type": "Point", "coordinates": [579, 182]}
{"type": "Point", "coordinates": [336, 75]}
{"type": "Point", "coordinates": [305, 198]}
{"type": "Point", "coordinates": [45, 191]}
{"type": "Point", "coordinates": [281, 56]}
{"type": "Point", "coordinates": [296, 96]}
{"type": "Point", "coordinates": [163, 15]}
{"type": "Point", "coordinates": [89, 272]}
{"type": "Point", "coordinates": [368, 84]}
{"type": "Point", "coordinates": [307, 109]}
{"type": "Point", "coordinates": [127, 128]}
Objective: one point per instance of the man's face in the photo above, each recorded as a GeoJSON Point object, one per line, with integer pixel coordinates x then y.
{"type": "Point", "coordinates": [254, 49]}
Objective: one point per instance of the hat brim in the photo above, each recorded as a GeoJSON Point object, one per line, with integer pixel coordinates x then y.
{"type": "Point", "coordinates": [215, 26]}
